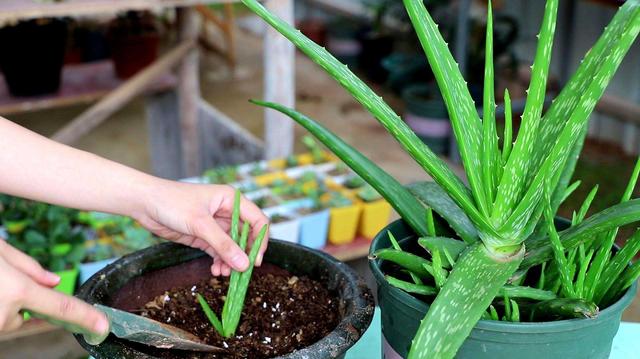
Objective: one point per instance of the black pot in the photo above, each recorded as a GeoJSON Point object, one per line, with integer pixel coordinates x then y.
{"type": "Point", "coordinates": [134, 279]}
{"type": "Point", "coordinates": [32, 56]}
{"type": "Point", "coordinates": [375, 47]}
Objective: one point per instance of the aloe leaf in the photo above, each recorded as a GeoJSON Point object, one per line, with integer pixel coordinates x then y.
{"type": "Point", "coordinates": [612, 217]}
{"type": "Point", "coordinates": [617, 265]}
{"type": "Point", "coordinates": [570, 133]}
{"type": "Point", "coordinates": [411, 287]}
{"type": "Point", "coordinates": [570, 96]}
{"type": "Point", "coordinates": [434, 196]}
{"type": "Point", "coordinates": [584, 208]}
{"type": "Point", "coordinates": [508, 129]}
{"type": "Point", "coordinates": [464, 116]}
{"type": "Point", "coordinates": [563, 308]}
{"type": "Point", "coordinates": [415, 264]}
{"type": "Point", "coordinates": [410, 209]}
{"type": "Point", "coordinates": [518, 166]}
{"type": "Point", "coordinates": [558, 255]}
{"type": "Point", "coordinates": [443, 244]}
{"type": "Point", "coordinates": [490, 154]}
{"type": "Point", "coordinates": [377, 107]}
{"type": "Point", "coordinates": [472, 284]}
{"type": "Point", "coordinates": [626, 280]}
{"type": "Point", "coordinates": [526, 293]}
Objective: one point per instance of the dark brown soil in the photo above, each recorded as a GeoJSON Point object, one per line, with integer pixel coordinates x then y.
{"type": "Point", "coordinates": [282, 313]}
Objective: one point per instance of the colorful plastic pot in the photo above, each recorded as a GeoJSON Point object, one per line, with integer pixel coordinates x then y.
{"type": "Point", "coordinates": [288, 231]}
{"type": "Point", "coordinates": [375, 216]}
{"type": "Point", "coordinates": [87, 270]}
{"type": "Point", "coordinates": [343, 223]}
{"type": "Point", "coordinates": [314, 228]}
{"type": "Point", "coordinates": [68, 279]}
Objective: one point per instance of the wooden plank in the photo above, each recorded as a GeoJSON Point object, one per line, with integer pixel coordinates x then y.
{"type": "Point", "coordinates": [189, 92]}
{"type": "Point", "coordinates": [111, 103]}
{"type": "Point", "coordinates": [164, 135]}
{"type": "Point", "coordinates": [279, 83]}
{"type": "Point", "coordinates": [81, 84]}
{"type": "Point", "coordinates": [14, 10]}
{"type": "Point", "coordinates": [357, 249]}
{"type": "Point", "coordinates": [223, 141]}
{"type": "Point", "coordinates": [619, 108]}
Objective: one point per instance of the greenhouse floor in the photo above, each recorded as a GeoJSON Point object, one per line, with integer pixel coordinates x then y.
{"type": "Point", "coordinates": [123, 138]}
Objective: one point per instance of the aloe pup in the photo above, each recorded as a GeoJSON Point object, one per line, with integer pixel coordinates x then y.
{"type": "Point", "coordinates": [500, 212]}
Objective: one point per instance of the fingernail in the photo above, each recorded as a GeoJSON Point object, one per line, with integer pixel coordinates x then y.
{"type": "Point", "coordinates": [240, 261]}
{"type": "Point", "coordinates": [102, 326]}
{"type": "Point", "coordinates": [52, 277]}
{"type": "Point", "coordinates": [259, 259]}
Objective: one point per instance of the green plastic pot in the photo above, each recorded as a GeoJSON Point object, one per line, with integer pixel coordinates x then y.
{"type": "Point", "coordinates": [566, 339]}
{"type": "Point", "coordinates": [426, 114]}
{"type": "Point", "coordinates": [68, 279]}
{"type": "Point", "coordinates": [135, 279]}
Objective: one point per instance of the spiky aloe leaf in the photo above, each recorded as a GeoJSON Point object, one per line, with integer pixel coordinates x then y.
{"type": "Point", "coordinates": [569, 98]}
{"type": "Point", "coordinates": [432, 195]}
{"type": "Point", "coordinates": [400, 198]}
{"type": "Point", "coordinates": [512, 183]}
{"type": "Point", "coordinates": [378, 108]}
{"type": "Point", "coordinates": [490, 155]}
{"type": "Point", "coordinates": [471, 286]}
{"type": "Point", "coordinates": [612, 217]}
{"type": "Point", "coordinates": [567, 138]}
{"type": "Point", "coordinates": [617, 265]}
{"type": "Point", "coordinates": [464, 117]}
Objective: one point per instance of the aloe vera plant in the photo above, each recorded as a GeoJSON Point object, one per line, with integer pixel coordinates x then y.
{"type": "Point", "coordinates": [228, 322]}
{"type": "Point", "coordinates": [499, 215]}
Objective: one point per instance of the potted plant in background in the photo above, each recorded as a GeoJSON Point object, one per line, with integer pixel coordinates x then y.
{"type": "Point", "coordinates": [133, 33]}
{"type": "Point", "coordinates": [497, 235]}
{"type": "Point", "coordinates": [375, 212]}
{"type": "Point", "coordinates": [32, 56]}
{"type": "Point", "coordinates": [377, 42]}
{"type": "Point", "coordinates": [344, 213]}
{"type": "Point", "coordinates": [426, 114]}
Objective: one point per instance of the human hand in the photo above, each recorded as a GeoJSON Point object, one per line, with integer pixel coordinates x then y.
{"type": "Point", "coordinates": [27, 286]}
{"type": "Point", "coordinates": [200, 216]}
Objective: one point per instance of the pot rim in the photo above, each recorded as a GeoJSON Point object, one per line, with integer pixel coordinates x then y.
{"type": "Point", "coordinates": [500, 326]}
{"type": "Point", "coordinates": [349, 330]}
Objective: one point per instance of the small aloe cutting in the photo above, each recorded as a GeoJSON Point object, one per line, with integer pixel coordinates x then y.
{"type": "Point", "coordinates": [504, 216]}
{"type": "Point", "coordinates": [238, 282]}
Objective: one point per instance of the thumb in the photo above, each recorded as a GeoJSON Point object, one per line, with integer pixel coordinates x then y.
{"type": "Point", "coordinates": [208, 230]}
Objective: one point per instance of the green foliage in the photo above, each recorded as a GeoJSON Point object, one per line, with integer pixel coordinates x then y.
{"type": "Point", "coordinates": [50, 234]}
{"type": "Point", "coordinates": [221, 175]}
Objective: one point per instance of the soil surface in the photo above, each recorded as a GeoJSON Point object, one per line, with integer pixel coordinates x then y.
{"type": "Point", "coordinates": [282, 313]}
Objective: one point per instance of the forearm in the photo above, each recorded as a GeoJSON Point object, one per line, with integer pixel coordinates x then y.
{"type": "Point", "coordinates": [37, 168]}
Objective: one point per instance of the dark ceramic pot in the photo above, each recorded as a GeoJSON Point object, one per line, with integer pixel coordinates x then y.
{"type": "Point", "coordinates": [137, 278]}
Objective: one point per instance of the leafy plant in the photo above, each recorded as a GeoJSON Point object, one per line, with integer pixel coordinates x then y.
{"type": "Point", "coordinates": [354, 182]}
{"type": "Point", "coordinates": [292, 161]}
{"type": "Point", "coordinates": [337, 200]}
{"type": "Point", "coordinates": [50, 234]}
{"type": "Point", "coordinates": [222, 175]}
{"type": "Point", "coordinates": [239, 281]}
{"type": "Point", "coordinates": [509, 187]}
{"type": "Point", "coordinates": [316, 152]}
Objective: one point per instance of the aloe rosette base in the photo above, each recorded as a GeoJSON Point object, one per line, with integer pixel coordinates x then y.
{"type": "Point", "coordinates": [509, 186]}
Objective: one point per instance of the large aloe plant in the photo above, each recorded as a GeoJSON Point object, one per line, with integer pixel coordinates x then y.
{"type": "Point", "coordinates": [499, 214]}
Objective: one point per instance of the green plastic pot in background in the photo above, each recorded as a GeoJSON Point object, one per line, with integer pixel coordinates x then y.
{"type": "Point", "coordinates": [566, 339]}
{"type": "Point", "coordinates": [426, 114]}
{"type": "Point", "coordinates": [406, 69]}
{"type": "Point", "coordinates": [343, 41]}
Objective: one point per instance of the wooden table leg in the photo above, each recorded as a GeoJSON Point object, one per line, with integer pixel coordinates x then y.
{"type": "Point", "coordinates": [189, 93]}
{"type": "Point", "coordinates": [279, 81]}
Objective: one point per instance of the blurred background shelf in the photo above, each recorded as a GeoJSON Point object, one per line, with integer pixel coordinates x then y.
{"type": "Point", "coordinates": [81, 84]}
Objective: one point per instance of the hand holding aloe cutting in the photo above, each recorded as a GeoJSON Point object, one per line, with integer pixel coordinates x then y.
{"type": "Point", "coordinates": [499, 215]}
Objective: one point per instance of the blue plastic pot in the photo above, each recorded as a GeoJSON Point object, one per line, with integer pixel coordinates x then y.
{"type": "Point", "coordinates": [314, 228]}
{"type": "Point", "coordinates": [87, 270]}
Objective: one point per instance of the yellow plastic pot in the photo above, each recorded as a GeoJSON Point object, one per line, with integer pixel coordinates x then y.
{"type": "Point", "coordinates": [343, 223]}
{"type": "Point", "coordinates": [267, 178]}
{"type": "Point", "coordinates": [375, 216]}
